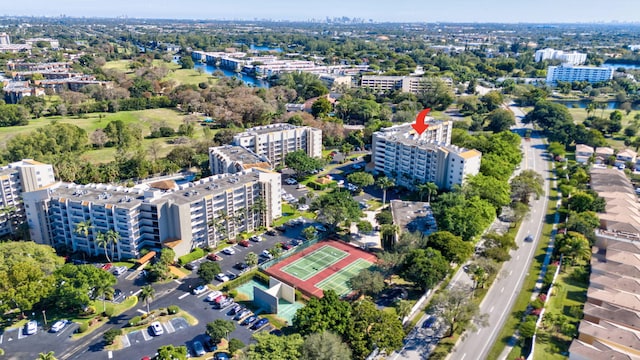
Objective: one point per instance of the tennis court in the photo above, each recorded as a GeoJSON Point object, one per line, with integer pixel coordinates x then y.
{"type": "Point", "coordinates": [315, 262]}
{"type": "Point", "coordinates": [338, 282]}
{"type": "Point", "coordinates": [326, 265]}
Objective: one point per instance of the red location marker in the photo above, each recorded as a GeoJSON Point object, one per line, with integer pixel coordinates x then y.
{"type": "Point", "coordinates": [420, 126]}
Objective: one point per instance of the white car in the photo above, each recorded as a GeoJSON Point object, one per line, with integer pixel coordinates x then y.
{"type": "Point", "coordinates": [222, 277]}
{"type": "Point", "coordinates": [266, 254]}
{"type": "Point", "coordinates": [303, 207]}
{"type": "Point", "coordinates": [31, 327]}
{"type": "Point", "coordinates": [120, 270]}
{"type": "Point", "coordinates": [199, 290]}
{"type": "Point", "coordinates": [291, 181]}
{"type": "Point", "coordinates": [229, 251]}
{"type": "Point", "coordinates": [58, 325]}
{"type": "Point", "coordinates": [214, 295]}
{"type": "Point", "coordinates": [156, 328]}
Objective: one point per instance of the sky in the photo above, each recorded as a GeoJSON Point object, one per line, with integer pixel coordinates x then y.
{"type": "Point", "coordinates": [505, 11]}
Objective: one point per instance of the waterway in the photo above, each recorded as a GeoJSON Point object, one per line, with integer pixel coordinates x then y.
{"type": "Point", "coordinates": [621, 65]}
{"type": "Point", "coordinates": [582, 104]}
{"type": "Point", "coordinates": [249, 80]}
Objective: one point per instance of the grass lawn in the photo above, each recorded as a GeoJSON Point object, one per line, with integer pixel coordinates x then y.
{"type": "Point", "coordinates": [515, 318]}
{"type": "Point", "coordinates": [289, 212]}
{"type": "Point", "coordinates": [569, 293]}
{"type": "Point", "coordinates": [117, 345]}
{"type": "Point", "coordinates": [117, 310]}
{"type": "Point", "coordinates": [180, 76]}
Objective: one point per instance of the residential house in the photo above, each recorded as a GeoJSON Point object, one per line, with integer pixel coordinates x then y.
{"type": "Point", "coordinates": [603, 154]}
{"type": "Point", "coordinates": [584, 153]}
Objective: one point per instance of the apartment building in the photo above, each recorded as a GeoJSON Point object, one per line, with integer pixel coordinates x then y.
{"type": "Point", "coordinates": [570, 73]}
{"type": "Point", "coordinates": [584, 153]}
{"type": "Point", "coordinates": [411, 84]}
{"type": "Point", "coordinates": [412, 159]}
{"type": "Point", "coordinates": [154, 215]}
{"type": "Point", "coordinates": [230, 159]}
{"type": "Point", "coordinates": [275, 141]}
{"type": "Point", "coordinates": [571, 58]}
{"type": "Point", "coordinates": [610, 326]}
{"type": "Point", "coordinates": [15, 179]}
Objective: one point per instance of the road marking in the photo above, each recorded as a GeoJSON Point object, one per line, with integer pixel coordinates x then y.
{"type": "Point", "coordinates": [145, 334]}
{"type": "Point", "coordinates": [141, 311]}
{"type": "Point", "coordinates": [502, 290]}
{"type": "Point", "coordinates": [169, 326]}
{"type": "Point", "coordinates": [491, 310]}
{"type": "Point", "coordinates": [137, 292]}
{"type": "Point", "coordinates": [1, 337]}
{"type": "Point", "coordinates": [510, 272]}
{"type": "Point", "coordinates": [183, 296]}
{"type": "Point", "coordinates": [110, 354]}
{"type": "Point", "coordinates": [178, 281]}
{"type": "Point", "coordinates": [463, 355]}
{"type": "Point", "coordinates": [518, 257]}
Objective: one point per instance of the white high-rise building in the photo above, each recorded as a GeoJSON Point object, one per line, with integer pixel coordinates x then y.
{"type": "Point", "coordinates": [275, 141]}
{"type": "Point", "coordinates": [230, 159]}
{"type": "Point", "coordinates": [571, 58]}
{"type": "Point", "coordinates": [5, 39]}
{"type": "Point", "coordinates": [570, 74]}
{"type": "Point", "coordinates": [154, 215]}
{"type": "Point", "coordinates": [412, 159]}
{"type": "Point", "coordinates": [16, 179]}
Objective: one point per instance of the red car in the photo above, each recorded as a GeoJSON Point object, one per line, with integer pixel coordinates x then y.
{"type": "Point", "coordinates": [285, 246]}
{"type": "Point", "coordinates": [244, 243]}
{"type": "Point", "coordinates": [214, 257]}
{"type": "Point", "coordinates": [107, 266]}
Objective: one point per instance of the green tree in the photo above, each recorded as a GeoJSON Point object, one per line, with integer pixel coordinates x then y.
{"type": "Point", "coordinates": [335, 207]}
{"type": "Point", "coordinates": [384, 217]}
{"type": "Point", "coordinates": [324, 346]}
{"type": "Point", "coordinates": [452, 247]}
{"type": "Point", "coordinates": [208, 270]}
{"type": "Point", "coordinates": [492, 100]}
{"type": "Point", "coordinates": [112, 238]}
{"type": "Point", "coordinates": [528, 328]}
{"type": "Point", "coordinates": [101, 241]}
{"type": "Point", "coordinates": [556, 149]}
{"type": "Point", "coordinates": [309, 232]}
{"type": "Point", "coordinates": [424, 267]}
{"type": "Point", "coordinates": [111, 335]}
{"type": "Point", "coordinates": [219, 329]}
{"type": "Point", "coordinates": [364, 226]}
{"type": "Point", "coordinates": [583, 222]}
{"type": "Point", "coordinates": [360, 179]}
{"type": "Point", "coordinates": [302, 163]}
{"type": "Point", "coordinates": [83, 228]}
{"type": "Point", "coordinates": [147, 294]}
{"type": "Point", "coordinates": [495, 191]}
{"type": "Point", "coordinates": [251, 259]}
{"type": "Point", "coordinates": [367, 282]}
{"type": "Point", "coordinates": [47, 356]}
{"type": "Point", "coordinates": [327, 313]}
{"type": "Point", "coordinates": [186, 62]}
{"type": "Point", "coordinates": [525, 184]}
{"type": "Point", "coordinates": [436, 95]}
{"type": "Point", "coordinates": [235, 345]}
{"type": "Point", "coordinates": [170, 352]}
{"type": "Point", "coordinates": [465, 217]}
{"type": "Point", "coordinates": [457, 309]}
{"type": "Point", "coordinates": [321, 107]}
{"type": "Point", "coordinates": [384, 183]}
{"type": "Point", "coordinates": [373, 328]}
{"type": "Point", "coordinates": [574, 246]}
{"type": "Point", "coordinates": [76, 286]}
{"type": "Point", "coordinates": [272, 347]}
{"type": "Point", "coordinates": [500, 120]}
{"type": "Point", "coordinates": [427, 189]}
{"type": "Point", "coordinates": [403, 308]}
{"type": "Point", "coordinates": [167, 256]}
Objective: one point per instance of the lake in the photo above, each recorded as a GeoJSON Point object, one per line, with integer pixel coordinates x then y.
{"type": "Point", "coordinates": [622, 65]}
{"type": "Point", "coordinates": [582, 104]}
{"type": "Point", "coordinates": [249, 80]}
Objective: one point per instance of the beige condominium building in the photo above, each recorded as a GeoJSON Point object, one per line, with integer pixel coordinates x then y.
{"type": "Point", "coordinates": [154, 215]}
{"type": "Point", "coordinates": [15, 179]}
{"type": "Point", "coordinates": [412, 159]}
{"type": "Point", "coordinates": [230, 159]}
{"type": "Point", "coordinates": [275, 141]}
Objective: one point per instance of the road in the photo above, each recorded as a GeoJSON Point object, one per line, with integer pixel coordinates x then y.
{"type": "Point", "coordinates": [499, 300]}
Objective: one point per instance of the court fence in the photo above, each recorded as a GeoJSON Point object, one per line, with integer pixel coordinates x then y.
{"type": "Point", "coordinates": [296, 249]}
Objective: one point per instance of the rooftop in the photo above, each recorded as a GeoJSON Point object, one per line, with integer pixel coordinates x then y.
{"type": "Point", "coordinates": [239, 154]}
{"type": "Point", "coordinates": [413, 216]}
{"type": "Point", "coordinates": [259, 130]}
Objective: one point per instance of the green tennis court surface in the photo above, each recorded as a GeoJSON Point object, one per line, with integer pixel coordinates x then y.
{"type": "Point", "coordinates": [338, 281]}
{"type": "Point", "coordinates": [311, 264]}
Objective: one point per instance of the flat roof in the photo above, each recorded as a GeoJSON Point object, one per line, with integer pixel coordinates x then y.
{"type": "Point", "coordinates": [258, 130]}
{"type": "Point", "coordinates": [413, 216]}
{"type": "Point", "coordinates": [238, 153]}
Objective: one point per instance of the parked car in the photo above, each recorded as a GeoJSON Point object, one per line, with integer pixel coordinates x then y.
{"type": "Point", "coordinates": [266, 254]}
{"type": "Point", "coordinates": [249, 320]}
{"type": "Point", "coordinates": [119, 270]}
{"type": "Point", "coordinates": [31, 327]}
{"type": "Point", "coordinates": [222, 356]}
{"type": "Point", "coordinates": [198, 349]}
{"type": "Point", "coordinates": [260, 323]}
{"type": "Point", "coordinates": [229, 251]}
{"type": "Point", "coordinates": [285, 246]}
{"type": "Point", "coordinates": [199, 290]}
{"type": "Point", "coordinates": [222, 277]}
{"type": "Point", "coordinates": [107, 266]}
{"type": "Point", "coordinates": [235, 309]}
{"type": "Point", "coordinates": [156, 328]}
{"type": "Point", "coordinates": [117, 293]}
{"type": "Point", "coordinates": [214, 257]}
{"type": "Point", "coordinates": [241, 266]}
{"type": "Point", "coordinates": [271, 232]}
{"type": "Point", "coordinates": [256, 238]}
{"type": "Point", "coordinates": [225, 302]}
{"type": "Point", "coordinates": [242, 314]}
{"type": "Point", "coordinates": [320, 228]}
{"type": "Point", "coordinates": [212, 296]}
{"type": "Point", "coordinates": [58, 325]}
{"type": "Point", "coordinates": [281, 228]}
{"type": "Point", "coordinates": [231, 275]}
{"type": "Point", "coordinates": [191, 266]}
{"type": "Point", "coordinates": [291, 181]}
{"type": "Point", "coordinates": [244, 243]}
{"type": "Point", "coordinates": [303, 207]}
{"type": "Point", "coordinates": [295, 242]}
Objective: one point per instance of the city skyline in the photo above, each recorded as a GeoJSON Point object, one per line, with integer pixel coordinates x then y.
{"type": "Point", "coordinates": [499, 11]}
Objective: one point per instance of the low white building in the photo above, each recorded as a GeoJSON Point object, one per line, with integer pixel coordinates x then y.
{"type": "Point", "coordinates": [571, 58]}
{"type": "Point", "coordinates": [567, 73]}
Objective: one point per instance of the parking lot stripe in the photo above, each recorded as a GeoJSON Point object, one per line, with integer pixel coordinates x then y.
{"type": "Point", "coordinates": [141, 311]}
{"type": "Point", "coordinates": [110, 354]}
{"type": "Point", "coordinates": [183, 296]}
{"type": "Point", "coordinates": [178, 281]}
{"type": "Point", "coordinates": [125, 341]}
{"type": "Point", "coordinates": [169, 326]}
{"type": "Point", "coordinates": [1, 338]}
{"type": "Point", "coordinates": [145, 334]}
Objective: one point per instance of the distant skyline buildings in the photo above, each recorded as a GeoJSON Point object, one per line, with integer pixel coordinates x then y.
{"type": "Point", "coordinates": [499, 11]}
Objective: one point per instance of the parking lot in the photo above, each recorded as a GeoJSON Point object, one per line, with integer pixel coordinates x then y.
{"type": "Point", "coordinates": [21, 346]}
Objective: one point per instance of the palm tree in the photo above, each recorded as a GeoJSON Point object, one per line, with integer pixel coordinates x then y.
{"type": "Point", "coordinates": [384, 183]}
{"type": "Point", "coordinates": [147, 294]}
{"type": "Point", "coordinates": [591, 107]}
{"type": "Point", "coordinates": [47, 356]}
{"type": "Point", "coordinates": [101, 240]}
{"type": "Point", "coordinates": [113, 237]}
{"type": "Point", "coordinates": [103, 290]}
{"type": "Point", "coordinates": [83, 228]}
{"type": "Point", "coordinates": [260, 206]}
{"type": "Point", "coordinates": [251, 259]}
{"type": "Point", "coordinates": [427, 189]}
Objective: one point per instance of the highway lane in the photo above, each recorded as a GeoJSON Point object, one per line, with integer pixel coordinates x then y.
{"type": "Point", "coordinates": [499, 300]}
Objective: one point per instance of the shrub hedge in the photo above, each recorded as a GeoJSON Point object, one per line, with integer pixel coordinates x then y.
{"type": "Point", "coordinates": [195, 254]}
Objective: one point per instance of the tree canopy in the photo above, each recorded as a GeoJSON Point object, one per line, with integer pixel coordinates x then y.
{"type": "Point", "coordinates": [302, 163]}
{"type": "Point", "coordinates": [272, 347]}
{"type": "Point", "coordinates": [328, 313]}
{"type": "Point", "coordinates": [324, 346]}
{"type": "Point", "coordinates": [424, 267]}
{"type": "Point", "coordinates": [336, 207]}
